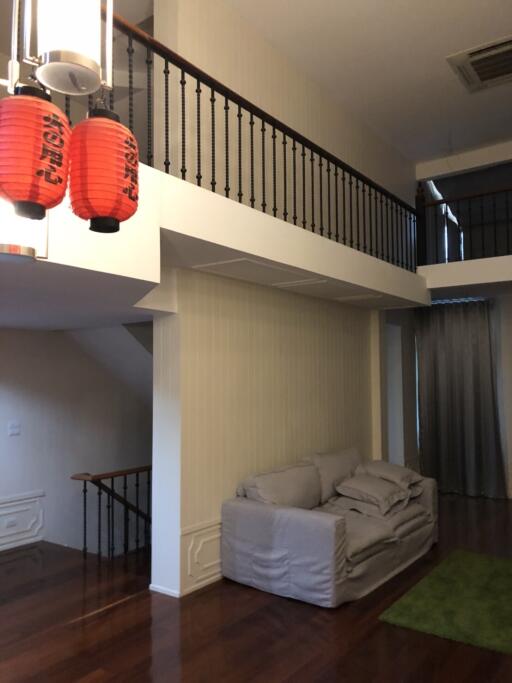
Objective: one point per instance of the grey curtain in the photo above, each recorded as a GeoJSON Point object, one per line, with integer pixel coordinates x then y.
{"type": "Point", "coordinates": [459, 435]}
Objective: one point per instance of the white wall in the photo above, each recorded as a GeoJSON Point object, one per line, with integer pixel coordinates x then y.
{"type": "Point", "coordinates": [217, 39]}
{"type": "Point", "coordinates": [265, 378]}
{"type": "Point", "coordinates": [74, 417]}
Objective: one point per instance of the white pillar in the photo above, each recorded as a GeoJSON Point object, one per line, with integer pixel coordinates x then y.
{"type": "Point", "coordinates": [166, 503]}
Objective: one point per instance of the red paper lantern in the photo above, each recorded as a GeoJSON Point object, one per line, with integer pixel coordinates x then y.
{"type": "Point", "coordinates": [104, 175]}
{"type": "Point", "coordinates": [34, 152]}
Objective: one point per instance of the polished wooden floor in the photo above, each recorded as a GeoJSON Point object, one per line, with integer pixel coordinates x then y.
{"type": "Point", "coordinates": [61, 621]}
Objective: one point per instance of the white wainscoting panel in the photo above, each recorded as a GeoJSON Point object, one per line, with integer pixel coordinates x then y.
{"type": "Point", "coordinates": [200, 555]}
{"type": "Point", "coordinates": [21, 519]}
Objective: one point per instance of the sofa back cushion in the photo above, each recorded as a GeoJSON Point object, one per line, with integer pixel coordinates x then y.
{"type": "Point", "coordinates": [333, 468]}
{"type": "Point", "coordinates": [294, 486]}
{"type": "Point", "coordinates": [397, 474]}
{"type": "Point", "coordinates": [368, 489]}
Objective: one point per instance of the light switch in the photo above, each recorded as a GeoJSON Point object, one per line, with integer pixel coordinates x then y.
{"type": "Point", "coordinates": [13, 429]}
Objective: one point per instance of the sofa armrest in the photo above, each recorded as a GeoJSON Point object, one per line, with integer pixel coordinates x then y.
{"type": "Point", "coordinates": [288, 551]}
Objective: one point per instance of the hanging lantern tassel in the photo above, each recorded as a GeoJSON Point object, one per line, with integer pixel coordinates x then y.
{"type": "Point", "coordinates": [34, 152]}
{"type": "Point", "coordinates": [104, 175]}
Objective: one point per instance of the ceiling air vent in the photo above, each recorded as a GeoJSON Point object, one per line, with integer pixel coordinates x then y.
{"type": "Point", "coordinates": [485, 66]}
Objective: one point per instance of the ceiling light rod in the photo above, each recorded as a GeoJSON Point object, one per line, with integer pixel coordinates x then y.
{"type": "Point", "coordinates": [69, 54]}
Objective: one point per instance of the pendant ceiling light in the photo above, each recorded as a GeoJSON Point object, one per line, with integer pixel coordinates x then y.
{"type": "Point", "coordinates": [104, 182]}
{"type": "Point", "coordinates": [68, 48]}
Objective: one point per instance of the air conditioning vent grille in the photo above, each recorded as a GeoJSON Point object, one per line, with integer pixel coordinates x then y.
{"type": "Point", "coordinates": [484, 67]}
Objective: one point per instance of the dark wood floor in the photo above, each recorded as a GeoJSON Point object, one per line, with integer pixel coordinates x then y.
{"type": "Point", "coordinates": [63, 622]}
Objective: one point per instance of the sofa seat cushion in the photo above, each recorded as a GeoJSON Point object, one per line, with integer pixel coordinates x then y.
{"type": "Point", "coordinates": [294, 486]}
{"type": "Point", "coordinates": [334, 468]}
{"type": "Point", "coordinates": [405, 521]}
{"type": "Point", "coordinates": [365, 536]}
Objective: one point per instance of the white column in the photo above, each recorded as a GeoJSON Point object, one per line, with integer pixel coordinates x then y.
{"type": "Point", "coordinates": [166, 503]}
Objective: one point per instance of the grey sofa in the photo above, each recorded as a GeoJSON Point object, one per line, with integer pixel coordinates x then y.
{"type": "Point", "coordinates": [289, 533]}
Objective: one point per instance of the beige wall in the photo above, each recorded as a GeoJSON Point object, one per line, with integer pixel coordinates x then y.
{"type": "Point", "coordinates": [217, 39]}
{"type": "Point", "coordinates": [267, 377]}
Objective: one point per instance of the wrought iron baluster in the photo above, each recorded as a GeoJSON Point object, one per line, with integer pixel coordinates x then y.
{"type": "Point", "coordinates": [336, 204]}
{"type": "Point", "coordinates": [149, 107]}
{"type": "Point", "coordinates": [304, 219]}
{"type": "Point", "coordinates": [84, 493]}
{"type": "Point", "coordinates": [226, 142]}
{"type": "Point", "coordinates": [126, 516]}
{"type": "Point", "coordinates": [320, 174]}
{"type": "Point", "coordinates": [294, 181]}
{"type": "Point", "coordinates": [137, 484]}
{"type": "Point", "coordinates": [130, 50]}
{"type": "Point", "coordinates": [358, 233]}
{"type": "Point", "coordinates": [350, 201]}
{"type": "Point", "coordinates": [240, 193]}
{"type": "Point", "coordinates": [344, 200]}
{"type": "Point", "coordinates": [364, 219]}
{"type": "Point", "coordinates": [112, 512]}
{"type": "Point", "coordinates": [199, 175]}
{"type": "Point", "coordinates": [312, 162]}
{"type": "Point", "coordinates": [99, 523]}
{"type": "Point", "coordinates": [183, 83]}
{"type": "Point", "coordinates": [263, 170]}
{"type": "Point", "coordinates": [376, 221]}
{"type": "Point", "coordinates": [167, 161]}
{"type": "Point", "coordinates": [381, 231]}
{"type": "Point", "coordinates": [395, 228]}
{"type": "Point", "coordinates": [251, 129]}
{"type": "Point", "coordinates": [410, 233]}
{"type": "Point", "coordinates": [213, 182]}
{"type": "Point", "coordinates": [370, 221]}
{"type": "Point", "coordinates": [109, 522]}
{"type": "Point", "coordinates": [389, 230]}
{"type": "Point", "coordinates": [274, 186]}
{"type": "Point", "coordinates": [285, 181]}
{"type": "Point", "coordinates": [329, 232]}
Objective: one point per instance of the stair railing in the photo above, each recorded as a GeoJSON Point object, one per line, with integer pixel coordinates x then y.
{"type": "Point", "coordinates": [123, 510]}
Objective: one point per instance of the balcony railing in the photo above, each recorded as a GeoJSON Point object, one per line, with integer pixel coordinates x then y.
{"type": "Point", "coordinates": [192, 126]}
{"type": "Point", "coordinates": [464, 228]}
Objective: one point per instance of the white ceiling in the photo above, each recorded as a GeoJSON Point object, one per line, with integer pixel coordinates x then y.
{"type": "Point", "coordinates": [182, 251]}
{"type": "Point", "coordinates": [42, 295]}
{"type": "Point", "coordinates": [386, 61]}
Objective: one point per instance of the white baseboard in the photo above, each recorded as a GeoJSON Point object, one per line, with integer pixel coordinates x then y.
{"type": "Point", "coordinates": [21, 519]}
{"type": "Point", "coordinates": [165, 591]}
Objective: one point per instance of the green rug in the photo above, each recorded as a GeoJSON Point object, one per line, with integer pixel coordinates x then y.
{"type": "Point", "coordinates": [468, 598]}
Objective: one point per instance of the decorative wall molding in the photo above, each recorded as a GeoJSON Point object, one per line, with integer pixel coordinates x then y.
{"type": "Point", "coordinates": [200, 552]}
{"type": "Point", "coordinates": [21, 519]}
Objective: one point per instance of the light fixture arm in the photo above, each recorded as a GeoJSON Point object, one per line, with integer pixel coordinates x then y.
{"type": "Point", "coordinates": [107, 81]}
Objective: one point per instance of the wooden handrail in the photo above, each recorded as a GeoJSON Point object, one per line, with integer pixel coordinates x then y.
{"type": "Point", "coordinates": [86, 476]}
{"type": "Point", "coordinates": [167, 54]}
{"type": "Point", "coordinates": [467, 197]}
